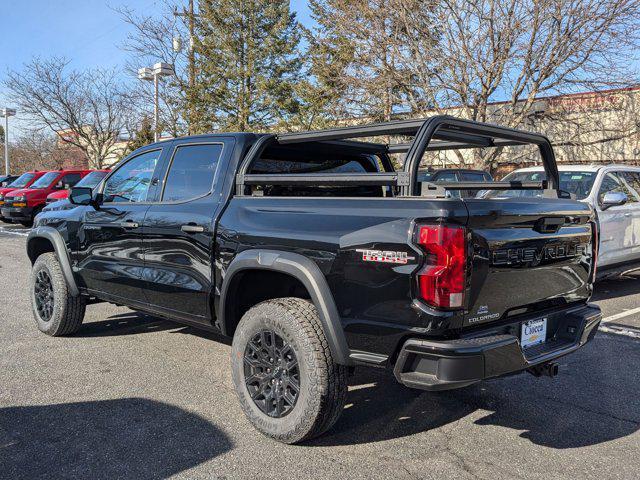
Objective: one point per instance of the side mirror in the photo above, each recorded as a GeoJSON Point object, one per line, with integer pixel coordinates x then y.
{"type": "Point", "coordinates": [81, 196]}
{"type": "Point", "coordinates": [59, 185]}
{"type": "Point", "coordinates": [613, 199]}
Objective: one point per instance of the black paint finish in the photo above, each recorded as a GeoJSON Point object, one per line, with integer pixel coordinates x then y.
{"type": "Point", "coordinates": [161, 266]}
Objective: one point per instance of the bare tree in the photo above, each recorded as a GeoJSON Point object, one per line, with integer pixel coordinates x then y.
{"type": "Point", "coordinates": [86, 109]}
{"type": "Point", "coordinates": [151, 41]}
{"type": "Point", "coordinates": [515, 51]}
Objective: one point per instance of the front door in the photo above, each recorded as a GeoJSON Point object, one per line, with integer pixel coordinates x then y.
{"type": "Point", "coordinates": [110, 254]}
{"type": "Point", "coordinates": [179, 232]}
{"type": "Point", "coordinates": [617, 235]}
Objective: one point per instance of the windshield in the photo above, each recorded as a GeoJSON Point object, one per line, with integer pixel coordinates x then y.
{"type": "Point", "coordinates": [91, 180]}
{"type": "Point", "coordinates": [577, 183]}
{"type": "Point", "coordinates": [23, 180]}
{"type": "Point", "coordinates": [45, 180]}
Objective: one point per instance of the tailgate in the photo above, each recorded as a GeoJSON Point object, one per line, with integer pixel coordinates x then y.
{"type": "Point", "coordinates": [529, 254]}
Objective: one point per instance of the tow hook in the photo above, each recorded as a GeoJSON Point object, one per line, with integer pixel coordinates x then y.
{"type": "Point", "coordinates": [549, 369]}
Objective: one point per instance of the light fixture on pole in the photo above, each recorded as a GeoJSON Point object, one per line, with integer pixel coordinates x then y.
{"type": "Point", "coordinates": [6, 113]}
{"type": "Point", "coordinates": [153, 74]}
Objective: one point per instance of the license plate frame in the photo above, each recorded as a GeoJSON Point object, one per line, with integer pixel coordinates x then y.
{"type": "Point", "coordinates": [533, 332]}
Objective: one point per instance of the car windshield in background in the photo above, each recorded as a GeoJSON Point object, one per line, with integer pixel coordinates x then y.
{"type": "Point", "coordinates": [92, 179]}
{"type": "Point", "coordinates": [23, 180]}
{"type": "Point", "coordinates": [45, 180]}
{"type": "Point", "coordinates": [577, 183]}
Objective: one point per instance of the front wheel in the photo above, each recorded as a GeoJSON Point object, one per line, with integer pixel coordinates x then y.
{"type": "Point", "coordinates": [288, 384]}
{"type": "Point", "coordinates": [55, 310]}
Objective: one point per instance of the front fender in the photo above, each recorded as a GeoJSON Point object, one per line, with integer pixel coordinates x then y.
{"type": "Point", "coordinates": [60, 249]}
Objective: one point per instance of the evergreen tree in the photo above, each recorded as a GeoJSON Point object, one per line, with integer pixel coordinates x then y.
{"type": "Point", "coordinates": [142, 136]}
{"type": "Point", "coordinates": [358, 50]}
{"type": "Point", "coordinates": [247, 64]}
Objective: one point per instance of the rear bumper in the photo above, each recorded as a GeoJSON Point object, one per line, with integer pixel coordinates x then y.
{"type": "Point", "coordinates": [448, 364]}
{"type": "Point", "coordinates": [17, 213]}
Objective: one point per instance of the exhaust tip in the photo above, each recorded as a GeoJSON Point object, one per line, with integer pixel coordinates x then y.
{"type": "Point", "coordinates": [549, 369]}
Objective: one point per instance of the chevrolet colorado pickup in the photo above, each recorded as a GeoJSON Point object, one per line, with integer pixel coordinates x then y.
{"type": "Point", "coordinates": [315, 256]}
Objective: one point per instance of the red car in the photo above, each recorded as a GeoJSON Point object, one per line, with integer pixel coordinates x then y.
{"type": "Point", "coordinates": [24, 204]}
{"type": "Point", "coordinates": [23, 181]}
{"type": "Point", "coordinates": [91, 180]}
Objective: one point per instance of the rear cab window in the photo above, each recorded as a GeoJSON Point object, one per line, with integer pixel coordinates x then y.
{"type": "Point", "coordinates": [292, 160]}
{"type": "Point", "coordinates": [192, 172]}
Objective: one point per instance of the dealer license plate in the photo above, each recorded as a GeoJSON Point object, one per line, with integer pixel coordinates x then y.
{"type": "Point", "coordinates": [533, 332]}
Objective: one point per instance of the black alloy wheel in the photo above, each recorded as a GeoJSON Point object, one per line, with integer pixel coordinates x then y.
{"type": "Point", "coordinates": [44, 295]}
{"type": "Point", "coordinates": [272, 374]}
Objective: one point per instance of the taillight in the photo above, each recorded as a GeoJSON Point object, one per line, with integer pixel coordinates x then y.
{"type": "Point", "coordinates": [441, 281]}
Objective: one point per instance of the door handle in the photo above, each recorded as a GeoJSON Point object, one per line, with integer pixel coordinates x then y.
{"type": "Point", "coordinates": [627, 214]}
{"type": "Point", "coordinates": [129, 224]}
{"type": "Point", "coordinates": [190, 228]}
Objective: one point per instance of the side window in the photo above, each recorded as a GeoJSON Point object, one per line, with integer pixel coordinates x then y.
{"type": "Point", "coordinates": [614, 182]}
{"type": "Point", "coordinates": [633, 180]}
{"type": "Point", "coordinates": [446, 177]}
{"type": "Point", "coordinates": [70, 179]}
{"type": "Point", "coordinates": [474, 177]}
{"type": "Point", "coordinates": [130, 183]}
{"type": "Point", "coordinates": [192, 172]}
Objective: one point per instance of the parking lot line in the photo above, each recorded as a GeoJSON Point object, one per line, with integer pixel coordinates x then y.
{"type": "Point", "coordinates": [617, 316]}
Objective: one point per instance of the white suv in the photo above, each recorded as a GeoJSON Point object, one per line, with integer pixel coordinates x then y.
{"type": "Point", "coordinates": [614, 192]}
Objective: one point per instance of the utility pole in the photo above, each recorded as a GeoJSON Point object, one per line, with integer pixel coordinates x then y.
{"type": "Point", "coordinates": [6, 113]}
{"type": "Point", "coordinates": [191, 58]}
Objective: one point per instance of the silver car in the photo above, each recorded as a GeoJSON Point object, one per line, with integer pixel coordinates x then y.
{"type": "Point", "coordinates": [614, 192]}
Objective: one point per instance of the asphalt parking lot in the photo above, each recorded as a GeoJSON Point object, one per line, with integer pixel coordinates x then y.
{"type": "Point", "coordinates": [136, 397]}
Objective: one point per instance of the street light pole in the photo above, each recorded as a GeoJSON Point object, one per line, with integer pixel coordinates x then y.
{"type": "Point", "coordinates": [6, 113]}
{"type": "Point", "coordinates": [159, 70]}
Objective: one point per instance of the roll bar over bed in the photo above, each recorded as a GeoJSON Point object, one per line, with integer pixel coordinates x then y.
{"type": "Point", "coordinates": [435, 133]}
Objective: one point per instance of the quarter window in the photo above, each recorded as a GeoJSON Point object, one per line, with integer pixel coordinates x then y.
{"type": "Point", "coordinates": [130, 183]}
{"type": "Point", "coordinates": [192, 172]}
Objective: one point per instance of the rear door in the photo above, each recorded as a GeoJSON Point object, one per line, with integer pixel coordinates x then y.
{"type": "Point", "coordinates": [618, 235]}
{"type": "Point", "coordinates": [527, 254]}
{"type": "Point", "coordinates": [179, 229]}
{"type": "Point", "coordinates": [110, 254]}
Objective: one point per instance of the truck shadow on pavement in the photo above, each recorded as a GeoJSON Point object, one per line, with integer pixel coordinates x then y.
{"type": "Point", "coordinates": [616, 287]}
{"type": "Point", "coordinates": [593, 400]}
{"type": "Point", "coordinates": [130, 438]}
{"type": "Point", "coordinates": [128, 323]}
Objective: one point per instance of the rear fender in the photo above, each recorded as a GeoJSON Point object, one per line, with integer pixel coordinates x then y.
{"type": "Point", "coordinates": [308, 273]}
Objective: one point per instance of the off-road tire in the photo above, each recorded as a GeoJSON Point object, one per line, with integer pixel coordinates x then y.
{"type": "Point", "coordinates": [323, 383]}
{"type": "Point", "coordinates": [68, 311]}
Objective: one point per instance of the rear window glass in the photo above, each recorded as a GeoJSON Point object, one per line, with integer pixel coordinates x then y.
{"type": "Point", "coordinates": [268, 165]}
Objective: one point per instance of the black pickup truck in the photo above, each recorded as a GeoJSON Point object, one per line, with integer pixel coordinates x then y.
{"type": "Point", "coordinates": [315, 256]}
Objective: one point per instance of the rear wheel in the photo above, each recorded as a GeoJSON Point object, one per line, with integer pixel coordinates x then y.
{"type": "Point", "coordinates": [55, 310]}
{"type": "Point", "coordinates": [285, 377]}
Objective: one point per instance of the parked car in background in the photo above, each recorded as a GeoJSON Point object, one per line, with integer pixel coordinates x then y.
{"type": "Point", "coordinates": [91, 180]}
{"type": "Point", "coordinates": [23, 181]}
{"type": "Point", "coordinates": [5, 180]}
{"type": "Point", "coordinates": [447, 175]}
{"type": "Point", "coordinates": [22, 205]}
{"type": "Point", "coordinates": [614, 193]}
